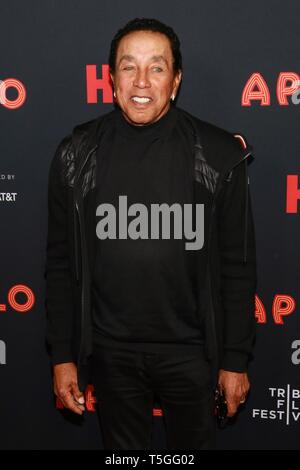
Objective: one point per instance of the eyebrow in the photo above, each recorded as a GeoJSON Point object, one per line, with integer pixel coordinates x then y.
{"type": "Point", "coordinates": [155, 58]}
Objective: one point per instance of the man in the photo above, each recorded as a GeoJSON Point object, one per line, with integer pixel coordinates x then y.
{"type": "Point", "coordinates": [137, 312]}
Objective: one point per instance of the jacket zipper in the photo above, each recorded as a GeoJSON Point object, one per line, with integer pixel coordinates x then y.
{"type": "Point", "coordinates": [215, 346]}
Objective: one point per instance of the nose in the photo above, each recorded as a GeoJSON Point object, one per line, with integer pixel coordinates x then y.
{"type": "Point", "coordinates": [141, 79]}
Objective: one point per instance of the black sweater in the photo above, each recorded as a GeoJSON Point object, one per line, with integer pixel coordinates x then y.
{"type": "Point", "coordinates": [144, 290]}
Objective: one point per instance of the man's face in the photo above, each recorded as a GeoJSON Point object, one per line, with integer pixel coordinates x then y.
{"type": "Point", "coordinates": [144, 68]}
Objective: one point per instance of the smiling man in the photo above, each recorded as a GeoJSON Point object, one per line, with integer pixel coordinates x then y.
{"type": "Point", "coordinates": [144, 77]}
{"type": "Point", "coordinates": [144, 318]}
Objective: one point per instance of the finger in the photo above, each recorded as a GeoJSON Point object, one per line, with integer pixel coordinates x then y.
{"type": "Point", "coordinates": [232, 407]}
{"type": "Point", "coordinates": [78, 395]}
{"type": "Point", "coordinates": [68, 402]}
{"type": "Point", "coordinates": [55, 387]}
{"type": "Point", "coordinates": [243, 398]}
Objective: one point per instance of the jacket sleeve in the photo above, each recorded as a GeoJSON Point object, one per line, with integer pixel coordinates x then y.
{"type": "Point", "coordinates": [238, 270]}
{"type": "Point", "coordinates": [58, 297]}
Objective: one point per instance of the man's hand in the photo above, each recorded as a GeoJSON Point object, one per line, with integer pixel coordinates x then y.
{"type": "Point", "coordinates": [235, 386]}
{"type": "Point", "coordinates": [66, 387]}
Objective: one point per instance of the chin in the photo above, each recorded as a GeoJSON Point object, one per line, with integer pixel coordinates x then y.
{"type": "Point", "coordinates": [139, 117]}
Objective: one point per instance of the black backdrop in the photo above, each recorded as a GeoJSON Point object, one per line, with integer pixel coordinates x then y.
{"type": "Point", "coordinates": [45, 48]}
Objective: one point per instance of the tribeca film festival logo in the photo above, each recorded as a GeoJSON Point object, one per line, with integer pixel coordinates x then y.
{"type": "Point", "coordinates": [285, 406]}
{"type": "Point", "coordinates": [138, 227]}
{"type": "Point", "coordinates": [16, 88]}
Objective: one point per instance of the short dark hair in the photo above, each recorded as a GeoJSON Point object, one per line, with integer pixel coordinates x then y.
{"type": "Point", "coordinates": [146, 24]}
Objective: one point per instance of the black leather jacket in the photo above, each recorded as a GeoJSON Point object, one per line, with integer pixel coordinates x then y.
{"type": "Point", "coordinates": [229, 284]}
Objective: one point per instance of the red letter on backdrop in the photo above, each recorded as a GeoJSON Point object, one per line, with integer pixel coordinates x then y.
{"type": "Point", "coordinates": [283, 305]}
{"type": "Point", "coordinates": [260, 311]}
{"type": "Point", "coordinates": [283, 90]}
{"type": "Point", "coordinates": [261, 93]}
{"type": "Point", "coordinates": [93, 84]}
{"type": "Point", "coordinates": [18, 86]}
{"type": "Point", "coordinates": [292, 194]}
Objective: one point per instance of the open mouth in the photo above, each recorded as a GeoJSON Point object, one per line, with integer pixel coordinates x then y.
{"type": "Point", "coordinates": [141, 100]}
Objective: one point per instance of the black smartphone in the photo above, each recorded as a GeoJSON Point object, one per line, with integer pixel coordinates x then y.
{"type": "Point", "coordinates": [220, 407]}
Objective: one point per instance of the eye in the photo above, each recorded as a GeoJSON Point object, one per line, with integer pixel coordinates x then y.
{"type": "Point", "coordinates": [129, 67]}
{"type": "Point", "coordinates": [159, 69]}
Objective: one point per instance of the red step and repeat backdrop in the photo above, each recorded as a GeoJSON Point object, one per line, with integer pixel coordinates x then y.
{"type": "Point", "coordinates": [240, 71]}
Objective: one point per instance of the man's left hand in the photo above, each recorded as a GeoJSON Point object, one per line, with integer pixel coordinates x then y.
{"type": "Point", "coordinates": [235, 386]}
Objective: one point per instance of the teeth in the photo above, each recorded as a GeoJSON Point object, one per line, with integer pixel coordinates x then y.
{"type": "Point", "coordinates": [140, 100]}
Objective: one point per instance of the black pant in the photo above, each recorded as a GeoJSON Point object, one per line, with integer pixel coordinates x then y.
{"type": "Point", "coordinates": [125, 383]}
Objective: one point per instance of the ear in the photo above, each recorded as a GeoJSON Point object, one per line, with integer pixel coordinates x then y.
{"type": "Point", "coordinates": [111, 77]}
{"type": "Point", "coordinates": [177, 80]}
